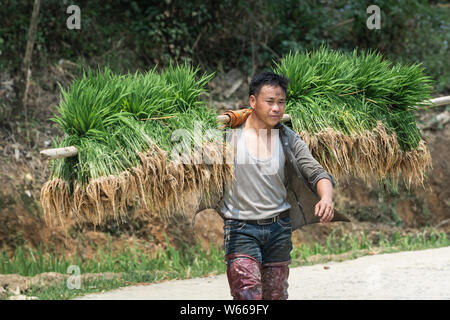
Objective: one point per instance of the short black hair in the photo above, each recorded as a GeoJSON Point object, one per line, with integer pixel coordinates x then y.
{"type": "Point", "coordinates": [267, 78]}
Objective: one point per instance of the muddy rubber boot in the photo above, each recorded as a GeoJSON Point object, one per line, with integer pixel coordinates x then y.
{"type": "Point", "coordinates": [274, 280]}
{"type": "Point", "coordinates": [244, 277]}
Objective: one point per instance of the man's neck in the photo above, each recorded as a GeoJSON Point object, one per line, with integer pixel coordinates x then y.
{"type": "Point", "coordinates": [253, 122]}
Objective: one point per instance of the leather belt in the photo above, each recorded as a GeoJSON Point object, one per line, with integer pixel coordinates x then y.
{"type": "Point", "coordinates": [282, 215]}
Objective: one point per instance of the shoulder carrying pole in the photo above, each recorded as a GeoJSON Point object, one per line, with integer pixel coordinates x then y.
{"type": "Point", "coordinates": [72, 151]}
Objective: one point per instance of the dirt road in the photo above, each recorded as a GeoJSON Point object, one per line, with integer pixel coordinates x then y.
{"type": "Point", "coordinates": [421, 274]}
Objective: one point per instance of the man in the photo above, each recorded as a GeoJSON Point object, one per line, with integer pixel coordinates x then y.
{"type": "Point", "coordinates": [257, 226]}
{"type": "Point", "coordinates": [278, 187]}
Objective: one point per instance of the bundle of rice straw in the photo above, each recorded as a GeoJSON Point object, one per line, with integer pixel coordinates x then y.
{"type": "Point", "coordinates": [355, 112]}
{"type": "Point", "coordinates": [122, 126]}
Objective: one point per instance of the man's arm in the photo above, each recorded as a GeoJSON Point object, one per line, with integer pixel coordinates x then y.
{"type": "Point", "coordinates": [318, 178]}
{"type": "Point", "coordinates": [309, 167]}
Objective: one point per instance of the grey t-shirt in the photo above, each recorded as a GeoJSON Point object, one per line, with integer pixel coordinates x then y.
{"type": "Point", "coordinates": [259, 190]}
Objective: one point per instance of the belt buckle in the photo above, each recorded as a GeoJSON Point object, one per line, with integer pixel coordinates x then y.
{"type": "Point", "coordinates": [270, 221]}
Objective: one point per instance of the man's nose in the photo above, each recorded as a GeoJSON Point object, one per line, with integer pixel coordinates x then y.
{"type": "Point", "coordinates": [276, 107]}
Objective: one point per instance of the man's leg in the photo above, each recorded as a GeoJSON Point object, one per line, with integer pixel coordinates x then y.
{"type": "Point", "coordinates": [244, 277]}
{"type": "Point", "coordinates": [276, 259]}
{"type": "Point", "coordinates": [275, 280]}
{"type": "Point", "coordinates": [243, 258]}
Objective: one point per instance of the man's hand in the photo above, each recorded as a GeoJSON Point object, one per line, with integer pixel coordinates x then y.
{"type": "Point", "coordinates": [324, 210]}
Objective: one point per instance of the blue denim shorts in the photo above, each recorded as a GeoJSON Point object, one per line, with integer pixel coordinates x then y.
{"type": "Point", "coordinates": [266, 243]}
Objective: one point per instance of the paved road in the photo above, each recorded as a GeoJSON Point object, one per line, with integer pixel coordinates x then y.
{"type": "Point", "coordinates": [421, 274]}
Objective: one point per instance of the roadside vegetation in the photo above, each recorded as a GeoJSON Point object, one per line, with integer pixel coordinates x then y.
{"type": "Point", "coordinates": [132, 266]}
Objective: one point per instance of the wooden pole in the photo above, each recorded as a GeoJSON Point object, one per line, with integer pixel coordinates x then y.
{"type": "Point", "coordinates": [73, 151]}
{"type": "Point", "coordinates": [57, 153]}
{"type": "Point", "coordinates": [440, 101]}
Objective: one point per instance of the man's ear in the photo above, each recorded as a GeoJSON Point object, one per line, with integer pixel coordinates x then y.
{"type": "Point", "coordinates": [252, 101]}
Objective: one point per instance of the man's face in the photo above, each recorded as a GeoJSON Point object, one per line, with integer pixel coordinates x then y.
{"type": "Point", "coordinates": [269, 104]}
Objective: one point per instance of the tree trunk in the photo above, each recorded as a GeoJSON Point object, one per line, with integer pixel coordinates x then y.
{"type": "Point", "coordinates": [25, 72]}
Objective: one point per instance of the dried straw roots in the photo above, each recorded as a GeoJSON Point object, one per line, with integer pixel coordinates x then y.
{"type": "Point", "coordinates": [368, 154]}
{"type": "Point", "coordinates": [162, 186]}
{"type": "Point", "coordinates": [156, 185]}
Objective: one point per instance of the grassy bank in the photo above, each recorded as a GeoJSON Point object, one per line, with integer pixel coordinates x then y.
{"type": "Point", "coordinates": [133, 266]}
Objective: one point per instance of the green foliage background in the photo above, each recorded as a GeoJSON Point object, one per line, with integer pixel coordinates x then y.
{"type": "Point", "coordinates": [217, 36]}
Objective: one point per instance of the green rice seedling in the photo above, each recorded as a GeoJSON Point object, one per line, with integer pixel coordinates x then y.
{"type": "Point", "coordinates": [358, 106]}
{"type": "Point", "coordinates": [186, 87]}
{"type": "Point", "coordinates": [122, 126]}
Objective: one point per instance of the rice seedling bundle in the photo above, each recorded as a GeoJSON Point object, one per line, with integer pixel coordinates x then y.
{"type": "Point", "coordinates": [122, 126]}
{"type": "Point", "coordinates": [356, 112]}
